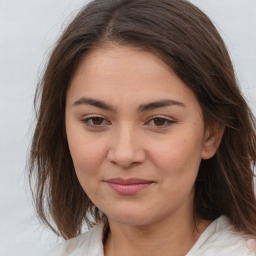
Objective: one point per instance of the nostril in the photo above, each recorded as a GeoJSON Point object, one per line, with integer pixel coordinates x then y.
{"type": "Point", "coordinates": [126, 159]}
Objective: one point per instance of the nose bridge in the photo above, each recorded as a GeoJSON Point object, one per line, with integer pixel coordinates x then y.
{"type": "Point", "coordinates": [126, 147]}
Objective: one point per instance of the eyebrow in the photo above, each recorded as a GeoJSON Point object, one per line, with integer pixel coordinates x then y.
{"type": "Point", "coordinates": [94, 102]}
{"type": "Point", "coordinates": [159, 104]}
{"type": "Point", "coordinates": [141, 108]}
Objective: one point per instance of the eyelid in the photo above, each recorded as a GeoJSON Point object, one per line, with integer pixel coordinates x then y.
{"type": "Point", "coordinates": [91, 116]}
{"type": "Point", "coordinates": [85, 120]}
{"type": "Point", "coordinates": [169, 120]}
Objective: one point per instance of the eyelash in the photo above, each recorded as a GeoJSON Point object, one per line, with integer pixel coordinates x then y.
{"type": "Point", "coordinates": [167, 122]}
{"type": "Point", "coordinates": [87, 121]}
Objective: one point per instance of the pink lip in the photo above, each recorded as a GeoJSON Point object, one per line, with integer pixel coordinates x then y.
{"type": "Point", "coordinates": [128, 186]}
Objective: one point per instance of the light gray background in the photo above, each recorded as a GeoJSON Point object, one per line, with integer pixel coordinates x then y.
{"type": "Point", "coordinates": [28, 29]}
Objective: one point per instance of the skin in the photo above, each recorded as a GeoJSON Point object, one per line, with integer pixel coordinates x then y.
{"type": "Point", "coordinates": [113, 133]}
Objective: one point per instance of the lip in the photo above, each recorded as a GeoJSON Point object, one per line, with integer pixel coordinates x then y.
{"type": "Point", "coordinates": [128, 186]}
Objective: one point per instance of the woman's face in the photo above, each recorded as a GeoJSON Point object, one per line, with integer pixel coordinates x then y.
{"type": "Point", "coordinates": [136, 136]}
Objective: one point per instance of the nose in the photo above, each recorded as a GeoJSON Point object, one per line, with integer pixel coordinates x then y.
{"type": "Point", "coordinates": [126, 149]}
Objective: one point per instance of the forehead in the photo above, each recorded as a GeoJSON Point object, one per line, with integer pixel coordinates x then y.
{"type": "Point", "coordinates": [116, 73]}
{"type": "Point", "coordinates": [115, 61]}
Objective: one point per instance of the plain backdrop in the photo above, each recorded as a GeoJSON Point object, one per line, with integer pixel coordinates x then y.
{"type": "Point", "coordinates": [28, 30]}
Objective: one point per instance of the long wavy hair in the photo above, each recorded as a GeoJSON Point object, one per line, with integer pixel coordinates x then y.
{"type": "Point", "coordinates": [184, 38]}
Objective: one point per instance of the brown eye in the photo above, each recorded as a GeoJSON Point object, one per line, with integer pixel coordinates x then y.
{"type": "Point", "coordinates": [97, 120]}
{"type": "Point", "coordinates": [159, 121]}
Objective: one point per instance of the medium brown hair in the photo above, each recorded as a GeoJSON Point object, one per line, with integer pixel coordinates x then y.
{"type": "Point", "coordinates": [182, 36]}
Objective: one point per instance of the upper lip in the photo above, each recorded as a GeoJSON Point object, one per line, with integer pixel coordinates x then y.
{"type": "Point", "coordinates": [129, 181]}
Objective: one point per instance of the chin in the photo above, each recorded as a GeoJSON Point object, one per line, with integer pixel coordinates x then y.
{"type": "Point", "coordinates": [130, 220]}
{"type": "Point", "coordinates": [130, 217]}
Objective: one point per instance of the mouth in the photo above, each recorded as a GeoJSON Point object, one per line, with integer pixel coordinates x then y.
{"type": "Point", "coordinates": [128, 186]}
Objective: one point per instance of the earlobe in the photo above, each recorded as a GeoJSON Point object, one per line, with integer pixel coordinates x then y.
{"type": "Point", "coordinates": [212, 139]}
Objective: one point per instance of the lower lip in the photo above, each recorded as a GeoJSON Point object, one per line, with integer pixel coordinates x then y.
{"type": "Point", "coordinates": [128, 189]}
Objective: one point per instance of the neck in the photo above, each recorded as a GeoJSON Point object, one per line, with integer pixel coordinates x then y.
{"type": "Point", "coordinates": [174, 238]}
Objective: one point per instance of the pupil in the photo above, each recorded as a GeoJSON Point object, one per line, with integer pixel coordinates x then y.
{"type": "Point", "coordinates": [97, 120]}
{"type": "Point", "coordinates": [159, 121]}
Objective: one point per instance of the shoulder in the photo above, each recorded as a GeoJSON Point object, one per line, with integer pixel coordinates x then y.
{"type": "Point", "coordinates": [87, 244]}
{"type": "Point", "coordinates": [220, 239]}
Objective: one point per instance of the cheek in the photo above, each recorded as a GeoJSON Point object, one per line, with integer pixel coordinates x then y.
{"type": "Point", "coordinates": [178, 156]}
{"type": "Point", "coordinates": [86, 156]}
{"type": "Point", "coordinates": [86, 149]}
{"type": "Point", "coordinates": [87, 159]}
{"type": "Point", "coordinates": [177, 164]}
{"type": "Point", "coordinates": [87, 153]}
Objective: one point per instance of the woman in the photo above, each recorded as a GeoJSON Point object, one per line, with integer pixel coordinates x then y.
{"type": "Point", "coordinates": [142, 133]}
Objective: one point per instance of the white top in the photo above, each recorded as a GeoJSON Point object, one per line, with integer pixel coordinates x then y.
{"type": "Point", "coordinates": [218, 239]}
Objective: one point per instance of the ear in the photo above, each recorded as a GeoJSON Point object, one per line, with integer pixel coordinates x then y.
{"type": "Point", "coordinates": [212, 139]}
